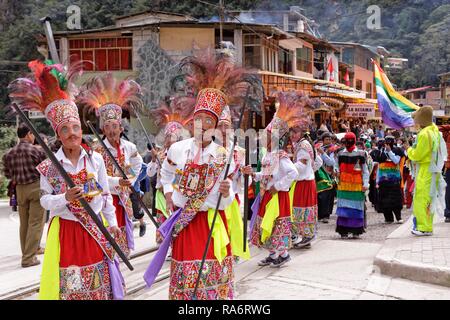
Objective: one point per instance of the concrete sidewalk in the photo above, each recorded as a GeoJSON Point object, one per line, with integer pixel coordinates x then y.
{"type": "Point", "coordinates": [425, 259]}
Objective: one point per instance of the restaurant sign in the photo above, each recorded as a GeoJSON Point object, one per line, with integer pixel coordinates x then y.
{"type": "Point", "coordinates": [360, 110]}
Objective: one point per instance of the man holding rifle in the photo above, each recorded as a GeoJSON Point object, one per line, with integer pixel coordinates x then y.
{"type": "Point", "coordinates": [79, 262]}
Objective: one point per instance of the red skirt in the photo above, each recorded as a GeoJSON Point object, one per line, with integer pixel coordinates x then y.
{"type": "Point", "coordinates": [283, 202]}
{"type": "Point", "coordinates": [305, 194]}
{"type": "Point", "coordinates": [187, 252]}
{"type": "Point", "coordinates": [280, 238]}
{"type": "Point", "coordinates": [305, 209]}
{"type": "Point", "coordinates": [84, 272]}
{"type": "Point", "coordinates": [121, 223]}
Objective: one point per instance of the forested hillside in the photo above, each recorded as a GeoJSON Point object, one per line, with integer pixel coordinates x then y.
{"type": "Point", "coordinates": [416, 29]}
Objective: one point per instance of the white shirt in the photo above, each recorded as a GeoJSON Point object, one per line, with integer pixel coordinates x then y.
{"type": "Point", "coordinates": [283, 172]}
{"type": "Point", "coordinates": [179, 153]}
{"type": "Point", "coordinates": [132, 158]}
{"type": "Point", "coordinates": [57, 203]}
{"type": "Point", "coordinates": [306, 171]}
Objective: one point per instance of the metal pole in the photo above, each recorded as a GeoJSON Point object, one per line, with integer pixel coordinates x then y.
{"type": "Point", "coordinates": [221, 9]}
{"type": "Point", "coordinates": [50, 39]}
{"type": "Point", "coordinates": [71, 184]}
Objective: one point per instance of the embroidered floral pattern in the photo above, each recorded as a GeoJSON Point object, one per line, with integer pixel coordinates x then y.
{"type": "Point", "coordinates": [48, 170]}
{"type": "Point", "coordinates": [280, 238]}
{"type": "Point", "coordinates": [304, 221]}
{"type": "Point", "coordinates": [85, 283]}
{"type": "Point", "coordinates": [216, 282]}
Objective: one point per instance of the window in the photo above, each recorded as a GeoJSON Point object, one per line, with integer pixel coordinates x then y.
{"type": "Point", "coordinates": [358, 84]}
{"type": "Point", "coordinates": [252, 51]}
{"type": "Point", "coordinates": [369, 90]}
{"type": "Point", "coordinates": [285, 59]}
{"type": "Point", "coordinates": [107, 54]}
{"type": "Point", "coordinates": [304, 57]}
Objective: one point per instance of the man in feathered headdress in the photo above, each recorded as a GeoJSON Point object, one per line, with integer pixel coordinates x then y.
{"type": "Point", "coordinates": [108, 96]}
{"type": "Point", "coordinates": [192, 177]}
{"type": "Point", "coordinates": [171, 118]}
{"type": "Point", "coordinates": [78, 262]}
{"type": "Point", "coordinates": [271, 220]}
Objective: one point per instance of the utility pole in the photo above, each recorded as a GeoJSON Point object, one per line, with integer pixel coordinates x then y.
{"type": "Point", "coordinates": [221, 10]}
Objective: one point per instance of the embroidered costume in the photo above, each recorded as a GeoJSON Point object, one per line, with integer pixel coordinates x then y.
{"type": "Point", "coordinates": [191, 174]}
{"type": "Point", "coordinates": [171, 118]}
{"type": "Point", "coordinates": [79, 263]}
{"type": "Point", "coordinates": [108, 97]}
{"type": "Point", "coordinates": [271, 220]}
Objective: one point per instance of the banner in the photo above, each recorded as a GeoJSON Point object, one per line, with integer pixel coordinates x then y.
{"type": "Point", "coordinates": [360, 110]}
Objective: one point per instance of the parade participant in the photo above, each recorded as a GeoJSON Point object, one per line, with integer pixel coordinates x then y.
{"type": "Point", "coordinates": [78, 262]}
{"type": "Point", "coordinates": [108, 96]}
{"type": "Point", "coordinates": [304, 192]}
{"type": "Point", "coordinates": [445, 129]}
{"type": "Point", "coordinates": [192, 177]}
{"type": "Point", "coordinates": [325, 182]}
{"type": "Point", "coordinates": [171, 118]}
{"type": "Point", "coordinates": [390, 160]}
{"type": "Point", "coordinates": [232, 212]}
{"type": "Point", "coordinates": [353, 175]}
{"type": "Point", "coordinates": [271, 228]}
{"type": "Point", "coordinates": [428, 155]}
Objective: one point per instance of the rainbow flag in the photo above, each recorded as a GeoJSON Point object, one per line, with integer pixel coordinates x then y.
{"type": "Point", "coordinates": [395, 109]}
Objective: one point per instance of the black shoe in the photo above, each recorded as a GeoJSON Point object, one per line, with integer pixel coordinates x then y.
{"type": "Point", "coordinates": [304, 243]}
{"type": "Point", "coordinates": [266, 261]}
{"type": "Point", "coordinates": [325, 220]}
{"type": "Point", "coordinates": [142, 229]}
{"type": "Point", "coordinates": [447, 219]}
{"type": "Point", "coordinates": [344, 235]}
{"type": "Point", "coordinates": [280, 261]}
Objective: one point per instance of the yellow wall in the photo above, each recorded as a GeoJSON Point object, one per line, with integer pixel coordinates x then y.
{"type": "Point", "coordinates": [182, 39]}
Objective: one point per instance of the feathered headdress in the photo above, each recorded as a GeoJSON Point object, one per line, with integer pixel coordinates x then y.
{"type": "Point", "coordinates": [290, 113]}
{"type": "Point", "coordinates": [173, 115]}
{"type": "Point", "coordinates": [216, 81]}
{"type": "Point", "coordinates": [108, 96]}
{"type": "Point", "coordinates": [49, 89]}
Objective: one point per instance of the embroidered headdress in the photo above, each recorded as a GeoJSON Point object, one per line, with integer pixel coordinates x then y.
{"type": "Point", "coordinates": [290, 113]}
{"type": "Point", "coordinates": [49, 89]}
{"type": "Point", "coordinates": [108, 96]}
{"type": "Point", "coordinates": [216, 81]}
{"type": "Point", "coordinates": [174, 115]}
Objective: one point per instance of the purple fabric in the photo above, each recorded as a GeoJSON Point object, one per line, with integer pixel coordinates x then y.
{"type": "Point", "coordinates": [129, 231]}
{"type": "Point", "coordinates": [350, 222]}
{"type": "Point", "coordinates": [255, 210]}
{"type": "Point", "coordinates": [160, 256]}
{"type": "Point", "coordinates": [117, 282]}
